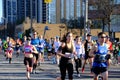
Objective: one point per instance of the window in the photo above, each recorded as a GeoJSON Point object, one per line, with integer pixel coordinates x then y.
{"type": "Point", "coordinates": [92, 7]}
{"type": "Point", "coordinates": [117, 1]}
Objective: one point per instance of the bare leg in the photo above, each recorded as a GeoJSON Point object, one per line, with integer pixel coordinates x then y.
{"type": "Point", "coordinates": [105, 75]}
{"type": "Point", "coordinates": [95, 77]}
{"type": "Point", "coordinates": [84, 65]}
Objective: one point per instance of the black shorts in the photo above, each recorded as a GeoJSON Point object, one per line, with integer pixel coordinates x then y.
{"type": "Point", "coordinates": [28, 61]}
{"type": "Point", "coordinates": [98, 70]}
{"type": "Point", "coordinates": [87, 55]}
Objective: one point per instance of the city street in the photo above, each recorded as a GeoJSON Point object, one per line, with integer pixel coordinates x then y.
{"type": "Point", "coordinates": [47, 71]}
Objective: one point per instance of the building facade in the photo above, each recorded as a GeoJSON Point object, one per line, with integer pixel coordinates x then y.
{"type": "Point", "coordinates": [65, 9]}
{"type": "Point", "coordinates": [17, 10]}
{"type": "Point", "coordinates": [10, 10]}
{"type": "Point", "coordinates": [34, 9]}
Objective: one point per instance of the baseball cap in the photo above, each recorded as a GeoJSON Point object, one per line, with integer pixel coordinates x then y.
{"type": "Point", "coordinates": [57, 37]}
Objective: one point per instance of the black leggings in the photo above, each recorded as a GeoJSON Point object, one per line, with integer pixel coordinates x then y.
{"type": "Point", "coordinates": [78, 63]}
{"type": "Point", "coordinates": [66, 65]}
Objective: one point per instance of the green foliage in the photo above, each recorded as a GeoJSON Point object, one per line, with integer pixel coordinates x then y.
{"type": "Point", "coordinates": [28, 31]}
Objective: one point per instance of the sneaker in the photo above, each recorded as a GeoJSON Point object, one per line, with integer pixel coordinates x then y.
{"type": "Point", "coordinates": [28, 75]}
{"type": "Point", "coordinates": [33, 72]}
{"type": "Point", "coordinates": [78, 75]}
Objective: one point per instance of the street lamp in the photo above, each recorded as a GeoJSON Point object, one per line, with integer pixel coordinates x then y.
{"type": "Point", "coordinates": [5, 28]}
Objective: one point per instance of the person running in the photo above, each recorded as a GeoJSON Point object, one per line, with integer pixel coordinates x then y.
{"type": "Point", "coordinates": [101, 57]}
{"type": "Point", "coordinates": [24, 41]}
{"type": "Point", "coordinates": [17, 47]}
{"type": "Point", "coordinates": [49, 49]}
{"type": "Point", "coordinates": [80, 51]}
{"type": "Point", "coordinates": [109, 44]}
{"type": "Point", "coordinates": [9, 50]}
{"type": "Point", "coordinates": [66, 51]}
{"type": "Point", "coordinates": [28, 57]}
{"type": "Point", "coordinates": [42, 45]}
{"type": "Point", "coordinates": [5, 46]}
{"type": "Point", "coordinates": [36, 42]}
{"type": "Point", "coordinates": [118, 53]}
{"type": "Point", "coordinates": [87, 45]}
{"type": "Point", "coordinates": [56, 45]}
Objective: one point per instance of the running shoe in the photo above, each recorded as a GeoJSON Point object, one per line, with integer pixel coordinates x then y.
{"type": "Point", "coordinates": [78, 75]}
{"type": "Point", "coordinates": [28, 75]}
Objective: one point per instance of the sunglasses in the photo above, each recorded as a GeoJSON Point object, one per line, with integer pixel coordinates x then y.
{"type": "Point", "coordinates": [69, 36]}
{"type": "Point", "coordinates": [103, 37]}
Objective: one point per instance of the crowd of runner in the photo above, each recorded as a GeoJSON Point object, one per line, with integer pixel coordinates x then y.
{"type": "Point", "coordinates": [68, 53]}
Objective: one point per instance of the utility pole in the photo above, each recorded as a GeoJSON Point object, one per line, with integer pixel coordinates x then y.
{"type": "Point", "coordinates": [85, 18]}
{"type": "Point", "coordinates": [31, 25]}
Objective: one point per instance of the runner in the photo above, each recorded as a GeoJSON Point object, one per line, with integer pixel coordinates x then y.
{"type": "Point", "coordinates": [57, 44]}
{"type": "Point", "coordinates": [49, 49]}
{"type": "Point", "coordinates": [17, 47]}
{"type": "Point", "coordinates": [5, 46]}
{"type": "Point", "coordinates": [28, 57]}
{"type": "Point", "coordinates": [66, 51]}
{"type": "Point", "coordinates": [109, 44]}
{"type": "Point", "coordinates": [42, 45]}
{"type": "Point", "coordinates": [118, 53]}
{"type": "Point", "coordinates": [101, 57]}
{"type": "Point", "coordinates": [36, 42]}
{"type": "Point", "coordinates": [9, 50]}
{"type": "Point", "coordinates": [88, 45]}
{"type": "Point", "coordinates": [80, 51]}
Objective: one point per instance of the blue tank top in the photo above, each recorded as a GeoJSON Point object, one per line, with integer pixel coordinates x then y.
{"type": "Point", "coordinates": [36, 43]}
{"type": "Point", "coordinates": [102, 51]}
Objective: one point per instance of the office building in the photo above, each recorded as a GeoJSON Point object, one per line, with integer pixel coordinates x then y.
{"type": "Point", "coordinates": [10, 10]}
{"type": "Point", "coordinates": [19, 10]}
{"type": "Point", "coordinates": [67, 9]}
{"type": "Point", "coordinates": [42, 12]}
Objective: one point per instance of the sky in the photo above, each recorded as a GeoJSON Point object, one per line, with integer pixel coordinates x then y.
{"type": "Point", "coordinates": [0, 9]}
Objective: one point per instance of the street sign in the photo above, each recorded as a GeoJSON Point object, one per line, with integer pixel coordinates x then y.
{"type": "Point", "coordinates": [46, 28]}
{"type": "Point", "coordinates": [47, 1]}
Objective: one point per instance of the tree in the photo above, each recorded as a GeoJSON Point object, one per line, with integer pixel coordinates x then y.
{"type": "Point", "coordinates": [106, 8]}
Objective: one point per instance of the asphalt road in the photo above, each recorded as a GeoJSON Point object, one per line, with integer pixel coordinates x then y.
{"type": "Point", "coordinates": [46, 71]}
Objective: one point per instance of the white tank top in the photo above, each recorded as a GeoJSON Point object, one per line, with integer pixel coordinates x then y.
{"type": "Point", "coordinates": [79, 49]}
